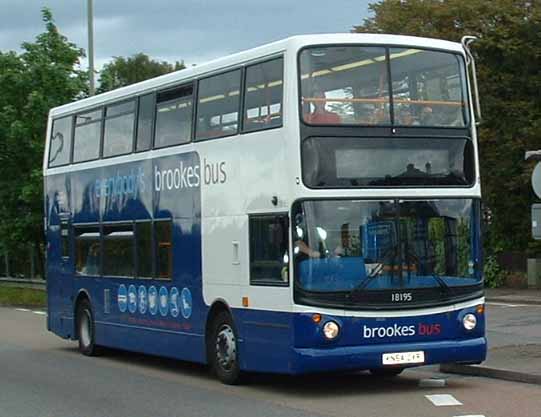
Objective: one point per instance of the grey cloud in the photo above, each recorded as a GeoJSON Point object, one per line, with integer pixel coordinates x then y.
{"type": "Point", "coordinates": [193, 30]}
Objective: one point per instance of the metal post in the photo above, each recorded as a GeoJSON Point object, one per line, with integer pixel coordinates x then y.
{"type": "Point", "coordinates": [6, 260]}
{"type": "Point", "coordinates": [90, 13]}
{"type": "Point", "coordinates": [32, 262]}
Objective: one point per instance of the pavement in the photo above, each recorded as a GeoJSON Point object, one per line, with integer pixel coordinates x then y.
{"type": "Point", "coordinates": [519, 360]}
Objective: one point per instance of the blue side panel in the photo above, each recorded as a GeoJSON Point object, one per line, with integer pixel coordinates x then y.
{"type": "Point", "coordinates": [266, 340]}
{"type": "Point", "coordinates": [163, 317]}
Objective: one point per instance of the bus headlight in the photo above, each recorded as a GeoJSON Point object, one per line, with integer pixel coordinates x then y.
{"type": "Point", "coordinates": [331, 330]}
{"type": "Point", "coordinates": [469, 321]}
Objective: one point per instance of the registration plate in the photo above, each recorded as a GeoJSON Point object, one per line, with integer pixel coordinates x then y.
{"type": "Point", "coordinates": [403, 357]}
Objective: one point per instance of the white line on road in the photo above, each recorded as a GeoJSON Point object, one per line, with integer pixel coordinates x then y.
{"type": "Point", "coordinates": [472, 415]}
{"type": "Point", "coordinates": [22, 309]}
{"type": "Point", "coordinates": [442, 400]}
{"type": "Point", "coordinates": [511, 305]}
{"type": "Point", "coordinates": [41, 313]}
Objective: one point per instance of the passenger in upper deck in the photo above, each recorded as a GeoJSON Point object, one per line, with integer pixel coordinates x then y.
{"type": "Point", "coordinates": [319, 115]}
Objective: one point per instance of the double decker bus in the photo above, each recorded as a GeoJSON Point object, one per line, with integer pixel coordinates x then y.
{"type": "Point", "coordinates": [309, 205]}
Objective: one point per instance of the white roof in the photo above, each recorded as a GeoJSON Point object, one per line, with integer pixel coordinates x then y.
{"type": "Point", "coordinates": [293, 44]}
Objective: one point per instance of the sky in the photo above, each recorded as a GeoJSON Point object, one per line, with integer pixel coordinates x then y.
{"type": "Point", "coordinates": [194, 31]}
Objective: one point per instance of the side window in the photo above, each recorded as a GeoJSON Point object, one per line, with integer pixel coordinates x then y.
{"type": "Point", "coordinates": [144, 122]}
{"type": "Point", "coordinates": [143, 246]}
{"type": "Point", "coordinates": [118, 250]}
{"type": "Point", "coordinates": [263, 94]}
{"type": "Point", "coordinates": [86, 143]}
{"type": "Point", "coordinates": [218, 106]}
{"type": "Point", "coordinates": [60, 147]}
{"type": "Point", "coordinates": [87, 250]}
{"type": "Point", "coordinates": [174, 117]}
{"type": "Point", "coordinates": [164, 249]}
{"type": "Point", "coordinates": [269, 259]}
{"type": "Point", "coordinates": [119, 126]}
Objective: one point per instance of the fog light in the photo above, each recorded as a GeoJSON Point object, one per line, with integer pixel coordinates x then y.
{"type": "Point", "coordinates": [469, 321]}
{"type": "Point", "coordinates": [331, 329]}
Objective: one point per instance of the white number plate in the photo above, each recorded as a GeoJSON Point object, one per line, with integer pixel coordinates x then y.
{"type": "Point", "coordinates": [403, 357]}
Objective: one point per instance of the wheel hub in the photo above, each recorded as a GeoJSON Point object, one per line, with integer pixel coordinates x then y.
{"type": "Point", "coordinates": [226, 350]}
{"type": "Point", "coordinates": [84, 331]}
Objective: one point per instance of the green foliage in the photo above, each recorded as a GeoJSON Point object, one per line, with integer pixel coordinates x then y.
{"type": "Point", "coordinates": [508, 57]}
{"type": "Point", "coordinates": [139, 67]}
{"type": "Point", "coordinates": [493, 273]}
{"type": "Point", "coordinates": [43, 76]}
{"type": "Point", "coordinates": [22, 296]}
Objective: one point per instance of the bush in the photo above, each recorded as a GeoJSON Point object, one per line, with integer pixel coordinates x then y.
{"type": "Point", "coordinates": [493, 272]}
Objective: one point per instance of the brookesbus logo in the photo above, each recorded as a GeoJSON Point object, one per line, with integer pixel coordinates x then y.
{"type": "Point", "coordinates": [401, 331]}
{"type": "Point", "coordinates": [189, 176]}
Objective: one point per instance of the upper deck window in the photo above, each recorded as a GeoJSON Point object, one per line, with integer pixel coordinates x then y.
{"type": "Point", "coordinates": [60, 147]}
{"type": "Point", "coordinates": [427, 88]}
{"type": "Point", "coordinates": [218, 106]}
{"type": "Point", "coordinates": [174, 117]}
{"type": "Point", "coordinates": [145, 119]}
{"type": "Point", "coordinates": [349, 85]}
{"type": "Point", "coordinates": [263, 94]}
{"type": "Point", "coordinates": [119, 126]}
{"type": "Point", "coordinates": [345, 85]}
{"type": "Point", "coordinates": [86, 144]}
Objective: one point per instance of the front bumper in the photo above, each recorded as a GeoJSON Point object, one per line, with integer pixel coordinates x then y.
{"type": "Point", "coordinates": [370, 356]}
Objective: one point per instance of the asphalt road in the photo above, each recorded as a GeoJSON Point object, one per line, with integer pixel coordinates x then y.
{"type": "Point", "coordinates": [509, 324]}
{"type": "Point", "coordinates": [43, 375]}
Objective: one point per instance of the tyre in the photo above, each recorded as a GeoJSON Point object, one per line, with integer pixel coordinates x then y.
{"type": "Point", "coordinates": [222, 347]}
{"type": "Point", "coordinates": [86, 329]}
{"type": "Point", "coordinates": [386, 372]}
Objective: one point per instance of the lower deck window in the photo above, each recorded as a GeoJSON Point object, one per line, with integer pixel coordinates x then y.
{"type": "Point", "coordinates": [144, 248]}
{"type": "Point", "coordinates": [118, 250]}
{"type": "Point", "coordinates": [87, 250]}
{"type": "Point", "coordinates": [164, 249]}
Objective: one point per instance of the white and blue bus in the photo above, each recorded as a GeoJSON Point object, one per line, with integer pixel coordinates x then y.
{"type": "Point", "coordinates": [309, 205]}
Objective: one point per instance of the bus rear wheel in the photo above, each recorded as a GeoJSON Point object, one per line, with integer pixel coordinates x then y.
{"type": "Point", "coordinates": [223, 350]}
{"type": "Point", "coordinates": [86, 329]}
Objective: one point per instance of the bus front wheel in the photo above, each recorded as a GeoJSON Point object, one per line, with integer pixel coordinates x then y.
{"type": "Point", "coordinates": [223, 350]}
{"type": "Point", "coordinates": [86, 329]}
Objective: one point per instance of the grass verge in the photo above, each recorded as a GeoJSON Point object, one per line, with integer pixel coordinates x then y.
{"type": "Point", "coordinates": [22, 296]}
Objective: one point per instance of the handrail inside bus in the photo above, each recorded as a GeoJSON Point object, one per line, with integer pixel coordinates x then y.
{"type": "Point", "coordinates": [466, 42]}
{"type": "Point", "coordinates": [383, 100]}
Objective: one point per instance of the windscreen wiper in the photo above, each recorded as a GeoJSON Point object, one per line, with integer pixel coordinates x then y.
{"type": "Point", "coordinates": [445, 288]}
{"type": "Point", "coordinates": [376, 271]}
{"type": "Point", "coordinates": [371, 276]}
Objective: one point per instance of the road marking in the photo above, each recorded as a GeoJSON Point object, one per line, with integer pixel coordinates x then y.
{"type": "Point", "coordinates": [432, 383]}
{"type": "Point", "coordinates": [472, 415]}
{"type": "Point", "coordinates": [511, 305]}
{"type": "Point", "coordinates": [442, 400]}
{"type": "Point", "coordinates": [22, 309]}
{"type": "Point", "coordinates": [41, 313]}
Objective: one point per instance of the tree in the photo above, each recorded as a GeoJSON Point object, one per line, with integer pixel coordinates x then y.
{"type": "Point", "coordinates": [43, 76]}
{"type": "Point", "coordinates": [508, 58]}
{"type": "Point", "coordinates": [139, 67]}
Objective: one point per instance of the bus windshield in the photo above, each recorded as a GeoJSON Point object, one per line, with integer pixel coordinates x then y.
{"type": "Point", "coordinates": [352, 85]}
{"type": "Point", "coordinates": [357, 247]}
